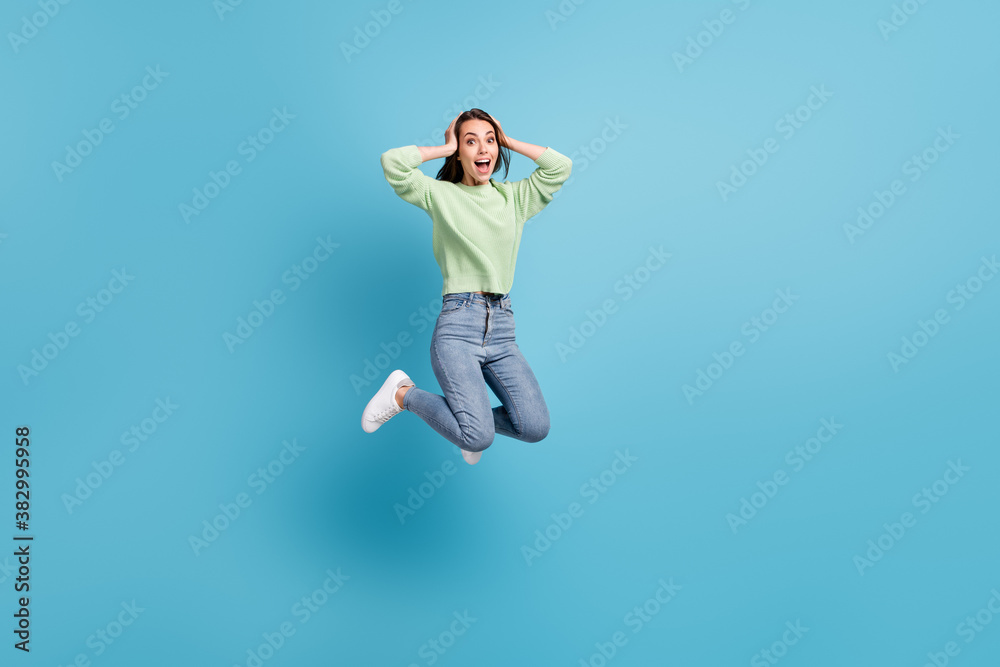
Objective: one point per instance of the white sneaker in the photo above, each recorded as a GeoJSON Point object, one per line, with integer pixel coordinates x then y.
{"type": "Point", "coordinates": [383, 406]}
{"type": "Point", "coordinates": [472, 458]}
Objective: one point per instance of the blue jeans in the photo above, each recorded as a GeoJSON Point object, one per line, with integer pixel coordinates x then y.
{"type": "Point", "coordinates": [473, 340]}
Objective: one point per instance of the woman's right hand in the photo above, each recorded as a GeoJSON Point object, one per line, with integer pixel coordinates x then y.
{"type": "Point", "coordinates": [450, 140]}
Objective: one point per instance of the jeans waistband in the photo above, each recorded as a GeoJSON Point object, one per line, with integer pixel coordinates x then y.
{"type": "Point", "coordinates": [502, 299]}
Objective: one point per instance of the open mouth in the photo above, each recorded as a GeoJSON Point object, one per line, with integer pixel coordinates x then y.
{"type": "Point", "coordinates": [483, 166]}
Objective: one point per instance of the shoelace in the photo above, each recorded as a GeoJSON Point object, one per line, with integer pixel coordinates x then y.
{"type": "Point", "coordinates": [383, 416]}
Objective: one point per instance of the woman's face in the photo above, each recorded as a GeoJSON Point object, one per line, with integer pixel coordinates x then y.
{"type": "Point", "coordinates": [477, 142]}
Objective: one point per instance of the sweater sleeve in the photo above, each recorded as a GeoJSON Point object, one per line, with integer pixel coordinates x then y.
{"type": "Point", "coordinates": [533, 193]}
{"type": "Point", "coordinates": [401, 171]}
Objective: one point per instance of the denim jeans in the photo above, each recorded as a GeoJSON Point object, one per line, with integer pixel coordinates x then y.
{"type": "Point", "coordinates": [473, 341]}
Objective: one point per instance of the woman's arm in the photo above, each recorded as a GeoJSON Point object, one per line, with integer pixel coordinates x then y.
{"type": "Point", "coordinates": [530, 151]}
{"type": "Point", "coordinates": [434, 152]}
{"type": "Point", "coordinates": [411, 184]}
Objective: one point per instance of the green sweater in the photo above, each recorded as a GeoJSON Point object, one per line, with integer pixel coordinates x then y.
{"type": "Point", "coordinates": [477, 228]}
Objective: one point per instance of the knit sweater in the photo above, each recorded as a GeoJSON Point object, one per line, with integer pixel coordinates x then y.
{"type": "Point", "coordinates": [476, 228]}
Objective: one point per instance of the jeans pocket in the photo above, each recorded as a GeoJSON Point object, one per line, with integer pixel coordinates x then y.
{"type": "Point", "coordinates": [451, 305]}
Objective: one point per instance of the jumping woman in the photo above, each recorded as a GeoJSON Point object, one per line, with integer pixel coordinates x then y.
{"type": "Point", "coordinates": [476, 234]}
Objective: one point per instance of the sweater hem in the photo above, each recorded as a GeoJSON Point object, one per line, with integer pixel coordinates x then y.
{"type": "Point", "coordinates": [471, 284]}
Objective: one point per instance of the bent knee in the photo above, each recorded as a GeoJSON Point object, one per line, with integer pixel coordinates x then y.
{"type": "Point", "coordinates": [477, 442]}
{"type": "Point", "coordinates": [535, 431]}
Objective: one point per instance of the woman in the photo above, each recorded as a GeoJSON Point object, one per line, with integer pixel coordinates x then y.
{"type": "Point", "coordinates": [476, 234]}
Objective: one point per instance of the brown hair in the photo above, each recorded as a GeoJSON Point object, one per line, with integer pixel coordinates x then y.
{"type": "Point", "coordinates": [452, 170]}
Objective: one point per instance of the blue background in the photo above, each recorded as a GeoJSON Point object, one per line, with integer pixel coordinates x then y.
{"type": "Point", "coordinates": [555, 80]}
